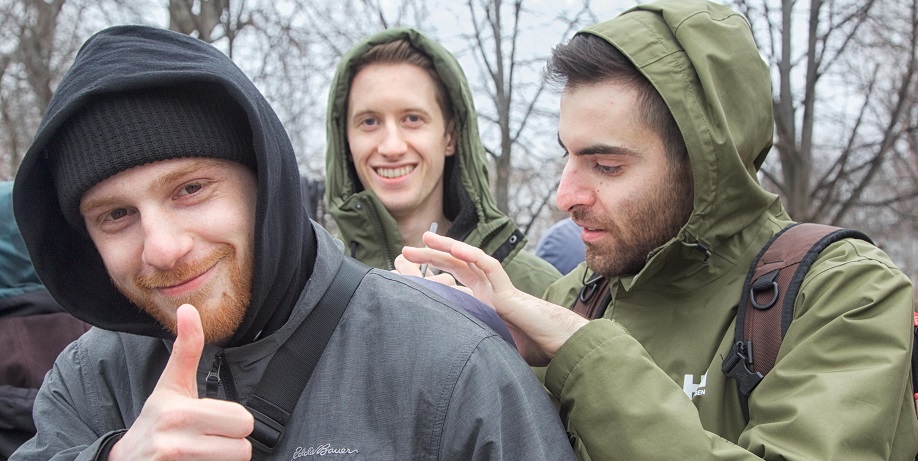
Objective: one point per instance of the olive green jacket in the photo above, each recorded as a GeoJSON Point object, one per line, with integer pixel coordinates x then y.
{"type": "Point", "coordinates": [370, 233]}
{"type": "Point", "coordinates": [645, 382]}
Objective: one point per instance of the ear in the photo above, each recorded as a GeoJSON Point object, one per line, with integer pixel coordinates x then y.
{"type": "Point", "coordinates": [450, 139]}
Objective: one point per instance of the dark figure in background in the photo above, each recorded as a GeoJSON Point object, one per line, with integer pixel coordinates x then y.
{"type": "Point", "coordinates": [33, 331]}
{"type": "Point", "coordinates": [312, 190]}
{"type": "Point", "coordinates": [562, 246]}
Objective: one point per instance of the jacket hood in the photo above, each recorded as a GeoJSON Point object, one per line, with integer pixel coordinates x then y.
{"type": "Point", "coordinates": [362, 220]}
{"type": "Point", "coordinates": [128, 58]}
{"type": "Point", "coordinates": [702, 59]}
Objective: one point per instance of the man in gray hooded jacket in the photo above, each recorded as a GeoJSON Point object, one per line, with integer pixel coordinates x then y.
{"type": "Point", "coordinates": [160, 202]}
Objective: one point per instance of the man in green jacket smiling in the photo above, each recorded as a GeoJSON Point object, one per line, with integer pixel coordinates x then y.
{"type": "Point", "coordinates": [404, 152]}
{"type": "Point", "coordinates": [666, 115]}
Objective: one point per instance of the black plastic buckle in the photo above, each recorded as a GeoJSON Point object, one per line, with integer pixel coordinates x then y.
{"type": "Point", "coordinates": [267, 433]}
{"type": "Point", "coordinates": [735, 366]}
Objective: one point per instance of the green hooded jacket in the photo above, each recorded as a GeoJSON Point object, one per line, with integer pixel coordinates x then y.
{"type": "Point", "coordinates": [371, 234]}
{"type": "Point", "coordinates": [645, 382]}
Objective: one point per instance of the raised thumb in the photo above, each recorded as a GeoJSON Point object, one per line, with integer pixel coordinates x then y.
{"type": "Point", "coordinates": [180, 374]}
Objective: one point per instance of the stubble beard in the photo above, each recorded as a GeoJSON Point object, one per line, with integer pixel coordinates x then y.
{"type": "Point", "coordinates": [643, 229]}
{"type": "Point", "coordinates": [220, 318]}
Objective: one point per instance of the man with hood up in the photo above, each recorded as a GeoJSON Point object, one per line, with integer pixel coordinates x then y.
{"type": "Point", "coordinates": [666, 115]}
{"type": "Point", "coordinates": [404, 152]}
{"type": "Point", "coordinates": [160, 202]}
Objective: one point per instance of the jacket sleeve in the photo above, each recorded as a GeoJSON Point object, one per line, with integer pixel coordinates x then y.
{"type": "Point", "coordinates": [840, 388]}
{"type": "Point", "coordinates": [498, 410]}
{"type": "Point", "coordinates": [620, 405]}
{"type": "Point", "coordinates": [64, 414]}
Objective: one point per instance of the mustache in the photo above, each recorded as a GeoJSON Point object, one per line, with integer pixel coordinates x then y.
{"type": "Point", "coordinates": [581, 216]}
{"type": "Point", "coordinates": [182, 271]}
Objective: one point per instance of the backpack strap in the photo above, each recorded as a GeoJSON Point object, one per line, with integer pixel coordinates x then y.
{"type": "Point", "coordinates": [291, 367]}
{"type": "Point", "coordinates": [593, 298]}
{"type": "Point", "coordinates": [774, 279]}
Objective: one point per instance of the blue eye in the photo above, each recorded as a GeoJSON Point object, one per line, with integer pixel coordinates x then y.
{"type": "Point", "coordinates": [191, 188]}
{"type": "Point", "coordinates": [117, 214]}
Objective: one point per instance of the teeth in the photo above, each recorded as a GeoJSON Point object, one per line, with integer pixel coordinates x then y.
{"type": "Point", "coordinates": [394, 172]}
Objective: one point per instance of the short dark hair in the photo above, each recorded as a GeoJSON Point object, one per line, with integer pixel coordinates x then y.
{"type": "Point", "coordinates": [401, 51]}
{"type": "Point", "coordinates": [587, 59]}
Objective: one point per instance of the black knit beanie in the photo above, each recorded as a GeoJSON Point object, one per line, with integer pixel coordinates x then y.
{"type": "Point", "coordinates": [118, 131]}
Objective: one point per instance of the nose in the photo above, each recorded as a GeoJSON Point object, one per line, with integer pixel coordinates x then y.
{"type": "Point", "coordinates": [165, 242]}
{"type": "Point", "coordinates": [574, 189]}
{"type": "Point", "coordinates": [393, 143]}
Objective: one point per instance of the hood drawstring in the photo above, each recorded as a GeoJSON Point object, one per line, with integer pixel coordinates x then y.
{"type": "Point", "coordinates": [702, 248]}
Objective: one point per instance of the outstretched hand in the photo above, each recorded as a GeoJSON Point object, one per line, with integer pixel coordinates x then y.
{"type": "Point", "coordinates": [538, 327]}
{"type": "Point", "coordinates": [405, 267]}
{"type": "Point", "coordinates": [174, 423]}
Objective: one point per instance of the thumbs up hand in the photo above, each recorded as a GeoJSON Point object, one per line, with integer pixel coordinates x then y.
{"type": "Point", "coordinates": [174, 424]}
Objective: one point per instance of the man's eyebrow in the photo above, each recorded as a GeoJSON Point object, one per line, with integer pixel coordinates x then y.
{"type": "Point", "coordinates": [600, 149]}
{"type": "Point", "coordinates": [409, 109]}
{"type": "Point", "coordinates": [93, 203]}
{"type": "Point", "coordinates": [606, 149]}
{"type": "Point", "coordinates": [360, 113]}
{"type": "Point", "coordinates": [191, 168]}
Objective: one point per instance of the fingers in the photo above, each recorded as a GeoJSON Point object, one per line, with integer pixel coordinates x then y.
{"type": "Point", "coordinates": [444, 278]}
{"type": "Point", "coordinates": [188, 446]}
{"type": "Point", "coordinates": [181, 370]}
{"type": "Point", "coordinates": [466, 274]}
{"type": "Point", "coordinates": [479, 263]}
{"type": "Point", "coordinates": [462, 251]}
{"type": "Point", "coordinates": [174, 423]}
{"type": "Point", "coordinates": [442, 242]}
{"type": "Point", "coordinates": [465, 290]}
{"type": "Point", "coordinates": [405, 267]}
{"type": "Point", "coordinates": [222, 418]}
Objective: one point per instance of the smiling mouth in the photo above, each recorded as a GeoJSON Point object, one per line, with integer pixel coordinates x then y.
{"type": "Point", "coordinates": [186, 284]}
{"type": "Point", "coordinates": [390, 173]}
{"type": "Point", "coordinates": [183, 282]}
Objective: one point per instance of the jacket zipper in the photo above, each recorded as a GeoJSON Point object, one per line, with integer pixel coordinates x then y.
{"type": "Point", "coordinates": [217, 375]}
{"type": "Point", "coordinates": [212, 382]}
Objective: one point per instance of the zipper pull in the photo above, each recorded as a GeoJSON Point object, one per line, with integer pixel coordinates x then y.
{"type": "Point", "coordinates": [213, 377]}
